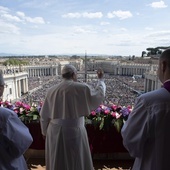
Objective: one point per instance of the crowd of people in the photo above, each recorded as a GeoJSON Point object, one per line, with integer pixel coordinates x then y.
{"type": "Point", "coordinates": [121, 90]}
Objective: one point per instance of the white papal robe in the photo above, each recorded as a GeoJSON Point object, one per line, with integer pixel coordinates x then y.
{"type": "Point", "coordinates": [15, 139]}
{"type": "Point", "coordinates": [146, 133]}
{"type": "Point", "coordinates": [62, 122]}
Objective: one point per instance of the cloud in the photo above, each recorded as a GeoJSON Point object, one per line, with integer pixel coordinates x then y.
{"type": "Point", "coordinates": [5, 15]}
{"type": "Point", "coordinates": [21, 14]}
{"type": "Point", "coordinates": [11, 18]}
{"type": "Point", "coordinates": [35, 20]}
{"type": "Point", "coordinates": [3, 10]}
{"type": "Point", "coordinates": [160, 34]}
{"type": "Point", "coordinates": [123, 29]}
{"type": "Point", "coordinates": [105, 23]}
{"type": "Point", "coordinates": [149, 28]}
{"type": "Point", "coordinates": [90, 15]}
{"type": "Point", "coordinates": [72, 15]}
{"type": "Point", "coordinates": [158, 38]}
{"type": "Point", "coordinates": [8, 28]}
{"type": "Point", "coordinates": [80, 30]}
{"type": "Point", "coordinates": [120, 14]}
{"type": "Point", "coordinates": [83, 30]}
{"type": "Point", "coordinates": [159, 4]}
{"type": "Point", "coordinates": [110, 15]}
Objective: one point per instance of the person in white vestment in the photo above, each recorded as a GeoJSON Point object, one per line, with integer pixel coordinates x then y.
{"type": "Point", "coordinates": [62, 121]}
{"type": "Point", "coordinates": [15, 138]}
{"type": "Point", "coordinates": [146, 133]}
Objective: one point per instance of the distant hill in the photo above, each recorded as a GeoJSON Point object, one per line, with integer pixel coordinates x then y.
{"type": "Point", "coordinates": [58, 55]}
{"type": "Point", "coordinates": [7, 54]}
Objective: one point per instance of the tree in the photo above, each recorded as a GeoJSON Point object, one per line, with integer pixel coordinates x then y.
{"type": "Point", "coordinates": [156, 51]}
{"type": "Point", "coordinates": [14, 62]}
{"type": "Point", "coordinates": [143, 53]}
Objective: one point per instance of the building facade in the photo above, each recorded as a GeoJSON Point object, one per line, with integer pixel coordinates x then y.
{"type": "Point", "coordinates": [16, 77]}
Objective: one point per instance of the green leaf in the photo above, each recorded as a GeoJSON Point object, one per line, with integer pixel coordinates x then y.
{"type": "Point", "coordinates": [35, 117]}
{"type": "Point", "coordinates": [118, 124]}
{"type": "Point", "coordinates": [29, 115]}
{"type": "Point", "coordinates": [22, 118]}
{"type": "Point", "coordinates": [99, 119]}
{"type": "Point", "coordinates": [94, 121]}
{"type": "Point", "coordinates": [102, 123]}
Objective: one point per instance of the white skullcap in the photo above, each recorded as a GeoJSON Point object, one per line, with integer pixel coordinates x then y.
{"type": "Point", "coordinates": [68, 69]}
{"type": "Point", "coordinates": [1, 78]}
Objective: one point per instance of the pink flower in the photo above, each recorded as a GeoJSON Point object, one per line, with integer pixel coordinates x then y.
{"type": "Point", "coordinates": [18, 103]}
{"type": "Point", "coordinates": [16, 110]}
{"type": "Point", "coordinates": [7, 103]}
{"type": "Point", "coordinates": [107, 112]}
{"type": "Point", "coordinates": [113, 114]}
{"type": "Point", "coordinates": [129, 107]}
{"type": "Point", "coordinates": [26, 106]}
{"type": "Point", "coordinates": [114, 107]}
{"type": "Point", "coordinates": [116, 115]}
{"type": "Point", "coordinates": [93, 113]}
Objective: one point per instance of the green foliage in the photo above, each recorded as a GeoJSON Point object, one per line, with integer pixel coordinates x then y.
{"type": "Point", "coordinates": [118, 123]}
{"type": "Point", "coordinates": [101, 123]}
{"type": "Point", "coordinates": [15, 62]}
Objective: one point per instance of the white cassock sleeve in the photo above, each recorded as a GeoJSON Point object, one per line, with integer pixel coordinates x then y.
{"type": "Point", "coordinates": [134, 131]}
{"type": "Point", "coordinates": [15, 138]}
{"type": "Point", "coordinates": [96, 95]}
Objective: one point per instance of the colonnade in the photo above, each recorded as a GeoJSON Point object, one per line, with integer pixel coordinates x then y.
{"type": "Point", "coordinates": [117, 68]}
{"type": "Point", "coordinates": [42, 70]}
{"type": "Point", "coordinates": [132, 71]}
{"type": "Point", "coordinates": [16, 78]}
{"type": "Point", "coordinates": [151, 81]}
{"type": "Point", "coordinates": [129, 69]}
{"type": "Point", "coordinates": [16, 85]}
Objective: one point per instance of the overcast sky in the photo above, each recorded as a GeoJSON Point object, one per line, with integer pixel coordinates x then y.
{"type": "Point", "coordinates": [113, 27]}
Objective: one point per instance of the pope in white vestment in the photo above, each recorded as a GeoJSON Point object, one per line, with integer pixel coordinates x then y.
{"type": "Point", "coordinates": [62, 121]}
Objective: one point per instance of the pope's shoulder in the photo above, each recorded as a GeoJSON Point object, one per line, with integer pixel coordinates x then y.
{"type": "Point", "coordinates": [65, 85]}
{"type": "Point", "coordinates": [69, 83]}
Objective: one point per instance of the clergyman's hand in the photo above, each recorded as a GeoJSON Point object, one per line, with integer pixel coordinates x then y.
{"type": "Point", "coordinates": [100, 73]}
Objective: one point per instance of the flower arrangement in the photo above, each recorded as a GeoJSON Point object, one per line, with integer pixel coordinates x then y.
{"type": "Point", "coordinates": [103, 117]}
{"type": "Point", "coordinates": [106, 116]}
{"type": "Point", "coordinates": [25, 112]}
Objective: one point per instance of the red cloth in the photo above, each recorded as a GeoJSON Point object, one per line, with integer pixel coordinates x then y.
{"type": "Point", "coordinates": [38, 141]}
{"type": "Point", "coordinates": [100, 141]}
{"type": "Point", "coordinates": [105, 141]}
